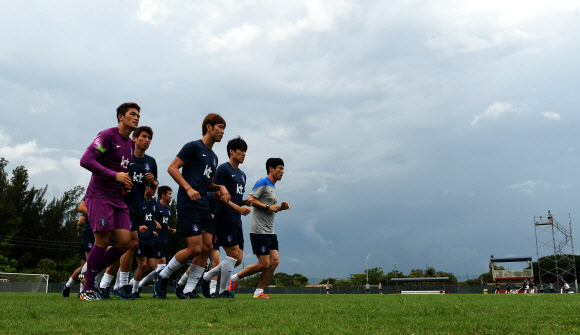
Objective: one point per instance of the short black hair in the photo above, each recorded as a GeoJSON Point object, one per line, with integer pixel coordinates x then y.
{"type": "Point", "coordinates": [137, 132]}
{"type": "Point", "coordinates": [273, 163]}
{"type": "Point", "coordinates": [236, 144]}
{"type": "Point", "coordinates": [163, 190]}
{"type": "Point", "coordinates": [124, 108]}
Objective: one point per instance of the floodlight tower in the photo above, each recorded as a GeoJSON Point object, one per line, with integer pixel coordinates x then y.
{"type": "Point", "coordinates": [555, 249]}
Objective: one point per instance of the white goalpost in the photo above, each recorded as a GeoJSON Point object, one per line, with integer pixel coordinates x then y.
{"type": "Point", "coordinates": [23, 282]}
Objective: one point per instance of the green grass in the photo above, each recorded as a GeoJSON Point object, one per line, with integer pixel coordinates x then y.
{"type": "Point", "coordinates": [36, 313]}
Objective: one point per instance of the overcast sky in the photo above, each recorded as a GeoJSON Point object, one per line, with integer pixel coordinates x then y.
{"type": "Point", "coordinates": [425, 132]}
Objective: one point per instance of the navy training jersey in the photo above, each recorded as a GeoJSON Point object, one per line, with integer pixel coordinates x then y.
{"type": "Point", "coordinates": [199, 167]}
{"type": "Point", "coordinates": [148, 213]}
{"type": "Point", "coordinates": [137, 170]}
{"type": "Point", "coordinates": [162, 216]}
{"type": "Point", "coordinates": [235, 181]}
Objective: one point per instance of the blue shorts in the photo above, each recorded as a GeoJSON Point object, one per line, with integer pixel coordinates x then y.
{"type": "Point", "coordinates": [194, 221]}
{"type": "Point", "coordinates": [145, 250]}
{"type": "Point", "coordinates": [263, 243]}
{"type": "Point", "coordinates": [228, 233]}
{"type": "Point", "coordinates": [160, 249]}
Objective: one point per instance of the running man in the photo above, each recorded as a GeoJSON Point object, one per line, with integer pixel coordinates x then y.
{"type": "Point", "coordinates": [162, 216]}
{"type": "Point", "coordinates": [368, 288]}
{"type": "Point", "coordinates": [228, 217]}
{"type": "Point", "coordinates": [142, 170]}
{"type": "Point", "coordinates": [327, 287]}
{"type": "Point", "coordinates": [145, 254]}
{"type": "Point", "coordinates": [108, 159]}
{"type": "Point", "coordinates": [380, 288]}
{"type": "Point", "coordinates": [264, 199]}
{"type": "Point", "coordinates": [198, 163]}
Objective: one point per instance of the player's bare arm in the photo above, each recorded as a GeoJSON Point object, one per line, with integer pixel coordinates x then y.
{"type": "Point", "coordinates": [157, 225]}
{"type": "Point", "coordinates": [240, 209]}
{"type": "Point", "coordinates": [173, 171]}
{"type": "Point", "coordinates": [81, 221]}
{"type": "Point", "coordinates": [257, 203]}
{"type": "Point", "coordinates": [83, 208]}
{"type": "Point", "coordinates": [223, 191]}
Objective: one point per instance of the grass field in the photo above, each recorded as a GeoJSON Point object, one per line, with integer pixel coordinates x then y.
{"type": "Point", "coordinates": [37, 313]}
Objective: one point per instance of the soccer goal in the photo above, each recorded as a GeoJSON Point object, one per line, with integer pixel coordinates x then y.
{"type": "Point", "coordinates": [23, 282]}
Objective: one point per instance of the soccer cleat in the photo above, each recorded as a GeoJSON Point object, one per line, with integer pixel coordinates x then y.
{"type": "Point", "coordinates": [204, 286]}
{"type": "Point", "coordinates": [65, 290]}
{"type": "Point", "coordinates": [82, 278]}
{"type": "Point", "coordinates": [178, 290]}
{"type": "Point", "coordinates": [192, 295]}
{"type": "Point", "coordinates": [137, 295]}
{"type": "Point", "coordinates": [125, 293]}
{"type": "Point", "coordinates": [104, 293]}
{"type": "Point", "coordinates": [160, 286]}
{"type": "Point", "coordinates": [225, 294]}
{"type": "Point", "coordinates": [115, 293]}
{"type": "Point", "coordinates": [89, 296]}
{"type": "Point", "coordinates": [261, 296]}
{"type": "Point", "coordinates": [232, 287]}
{"type": "Point", "coordinates": [214, 295]}
{"type": "Point", "coordinates": [155, 296]}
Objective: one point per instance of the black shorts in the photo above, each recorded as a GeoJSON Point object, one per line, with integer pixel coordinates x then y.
{"type": "Point", "coordinates": [145, 250]}
{"type": "Point", "coordinates": [160, 249]}
{"type": "Point", "coordinates": [194, 221]}
{"type": "Point", "coordinates": [135, 220]}
{"type": "Point", "coordinates": [216, 243]}
{"type": "Point", "coordinates": [228, 233]}
{"type": "Point", "coordinates": [263, 243]}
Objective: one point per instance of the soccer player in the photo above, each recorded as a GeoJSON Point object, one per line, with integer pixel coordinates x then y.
{"type": "Point", "coordinates": [142, 170]}
{"type": "Point", "coordinates": [497, 287]}
{"type": "Point", "coordinates": [108, 158]}
{"type": "Point", "coordinates": [368, 288]}
{"type": "Point", "coordinates": [508, 288]}
{"type": "Point", "coordinates": [87, 242]}
{"type": "Point", "coordinates": [228, 217]}
{"type": "Point", "coordinates": [264, 199]}
{"type": "Point", "coordinates": [198, 163]}
{"type": "Point", "coordinates": [162, 215]}
{"type": "Point", "coordinates": [327, 287]}
{"type": "Point", "coordinates": [380, 288]}
{"type": "Point", "coordinates": [145, 254]}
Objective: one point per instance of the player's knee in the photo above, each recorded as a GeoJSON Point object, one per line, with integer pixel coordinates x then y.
{"type": "Point", "coordinates": [194, 250]}
{"type": "Point", "coordinates": [264, 265]}
{"type": "Point", "coordinates": [238, 260]}
{"type": "Point", "coordinates": [274, 263]}
{"type": "Point", "coordinates": [124, 245]}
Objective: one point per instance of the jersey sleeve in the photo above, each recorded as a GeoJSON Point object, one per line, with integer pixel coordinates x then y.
{"type": "Point", "coordinates": [258, 189]}
{"type": "Point", "coordinates": [100, 145]}
{"type": "Point", "coordinates": [187, 153]}
{"type": "Point", "coordinates": [220, 175]}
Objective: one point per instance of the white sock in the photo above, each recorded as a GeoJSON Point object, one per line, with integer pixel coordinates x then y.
{"type": "Point", "coordinates": [132, 281]}
{"type": "Point", "coordinates": [227, 269]}
{"type": "Point", "coordinates": [183, 279]}
{"type": "Point", "coordinates": [146, 279]}
{"type": "Point", "coordinates": [258, 292]}
{"type": "Point", "coordinates": [170, 268]}
{"type": "Point", "coordinates": [195, 273]}
{"type": "Point", "coordinates": [124, 279]}
{"type": "Point", "coordinates": [99, 277]}
{"type": "Point", "coordinates": [212, 286]}
{"type": "Point", "coordinates": [84, 269]}
{"type": "Point", "coordinates": [160, 267]}
{"type": "Point", "coordinates": [135, 285]}
{"type": "Point", "coordinates": [69, 282]}
{"type": "Point", "coordinates": [82, 287]}
{"type": "Point", "coordinates": [235, 277]}
{"type": "Point", "coordinates": [212, 273]}
{"type": "Point", "coordinates": [106, 281]}
{"type": "Point", "coordinates": [117, 280]}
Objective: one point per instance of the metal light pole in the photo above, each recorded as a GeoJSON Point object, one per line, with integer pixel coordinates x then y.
{"type": "Point", "coordinates": [368, 266]}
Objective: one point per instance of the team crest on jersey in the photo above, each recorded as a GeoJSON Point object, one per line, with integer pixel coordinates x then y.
{"type": "Point", "coordinates": [243, 178]}
{"type": "Point", "coordinates": [169, 212]}
{"type": "Point", "coordinates": [138, 251]}
{"type": "Point", "coordinates": [131, 223]}
{"type": "Point", "coordinates": [263, 248]}
{"type": "Point", "coordinates": [154, 208]}
{"type": "Point", "coordinates": [158, 253]}
{"type": "Point", "coordinates": [103, 222]}
{"type": "Point", "coordinates": [90, 245]}
{"type": "Point", "coordinates": [229, 238]}
{"type": "Point", "coordinates": [147, 166]}
{"type": "Point", "coordinates": [195, 228]}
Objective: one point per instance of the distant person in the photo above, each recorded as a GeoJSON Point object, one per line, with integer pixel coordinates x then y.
{"type": "Point", "coordinates": [532, 290]}
{"type": "Point", "coordinates": [550, 219]}
{"type": "Point", "coordinates": [368, 290]}
{"type": "Point", "coordinates": [508, 287]}
{"type": "Point", "coordinates": [525, 286]}
{"type": "Point", "coordinates": [327, 287]}
{"type": "Point", "coordinates": [497, 288]}
{"type": "Point", "coordinates": [380, 288]}
{"type": "Point", "coordinates": [551, 287]}
{"type": "Point", "coordinates": [561, 283]}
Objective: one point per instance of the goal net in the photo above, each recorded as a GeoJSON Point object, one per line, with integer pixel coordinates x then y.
{"type": "Point", "coordinates": [23, 282]}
